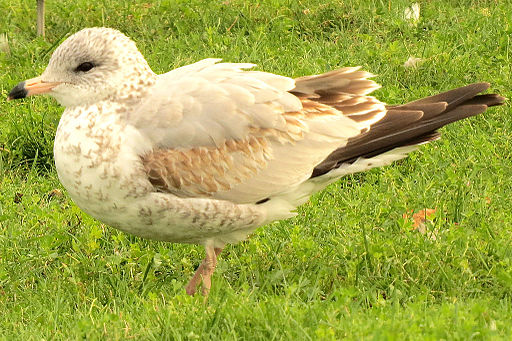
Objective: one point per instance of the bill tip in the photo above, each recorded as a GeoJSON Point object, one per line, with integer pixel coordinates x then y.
{"type": "Point", "coordinates": [19, 91]}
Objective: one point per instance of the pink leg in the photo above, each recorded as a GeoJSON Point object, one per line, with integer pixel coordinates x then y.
{"type": "Point", "coordinates": [204, 272]}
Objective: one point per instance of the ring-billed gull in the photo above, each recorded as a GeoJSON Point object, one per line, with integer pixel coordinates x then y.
{"type": "Point", "coordinates": [208, 152]}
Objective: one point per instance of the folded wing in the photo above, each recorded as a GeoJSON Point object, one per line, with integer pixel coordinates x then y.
{"type": "Point", "coordinates": [221, 132]}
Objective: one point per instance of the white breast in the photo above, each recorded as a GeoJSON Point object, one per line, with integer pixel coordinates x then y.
{"type": "Point", "coordinates": [98, 162]}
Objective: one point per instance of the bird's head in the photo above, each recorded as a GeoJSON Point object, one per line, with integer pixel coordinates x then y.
{"type": "Point", "coordinates": [91, 65]}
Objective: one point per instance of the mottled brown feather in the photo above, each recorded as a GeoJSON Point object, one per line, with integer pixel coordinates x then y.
{"type": "Point", "coordinates": [203, 171]}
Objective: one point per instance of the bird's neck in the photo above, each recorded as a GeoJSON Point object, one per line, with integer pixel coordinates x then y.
{"type": "Point", "coordinates": [134, 87]}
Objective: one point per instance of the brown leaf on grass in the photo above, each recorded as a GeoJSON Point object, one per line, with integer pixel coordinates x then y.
{"type": "Point", "coordinates": [419, 220]}
{"type": "Point", "coordinates": [55, 193]}
{"type": "Point", "coordinates": [423, 215]}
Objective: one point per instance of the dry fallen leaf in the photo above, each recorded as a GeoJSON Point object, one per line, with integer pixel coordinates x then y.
{"type": "Point", "coordinates": [412, 62]}
{"type": "Point", "coordinates": [419, 220]}
{"type": "Point", "coordinates": [412, 14]}
{"type": "Point", "coordinates": [55, 193]}
{"type": "Point", "coordinates": [422, 216]}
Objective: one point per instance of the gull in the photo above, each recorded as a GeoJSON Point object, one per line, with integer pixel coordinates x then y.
{"type": "Point", "coordinates": [208, 152]}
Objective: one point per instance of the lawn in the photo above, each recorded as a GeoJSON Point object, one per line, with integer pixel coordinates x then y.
{"type": "Point", "coordinates": [349, 265]}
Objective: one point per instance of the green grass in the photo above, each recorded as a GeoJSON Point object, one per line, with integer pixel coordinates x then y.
{"type": "Point", "coordinates": [349, 265]}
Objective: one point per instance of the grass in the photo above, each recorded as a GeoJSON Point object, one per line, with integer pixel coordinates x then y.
{"type": "Point", "coordinates": [349, 266]}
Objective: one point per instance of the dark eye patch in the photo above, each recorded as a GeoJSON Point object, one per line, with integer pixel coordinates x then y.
{"type": "Point", "coordinates": [84, 67]}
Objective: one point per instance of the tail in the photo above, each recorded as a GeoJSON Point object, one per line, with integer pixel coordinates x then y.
{"type": "Point", "coordinates": [408, 125]}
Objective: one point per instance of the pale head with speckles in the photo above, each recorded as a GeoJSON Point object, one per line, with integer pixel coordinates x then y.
{"type": "Point", "coordinates": [92, 65]}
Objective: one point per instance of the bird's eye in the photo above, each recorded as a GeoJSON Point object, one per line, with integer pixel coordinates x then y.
{"type": "Point", "coordinates": [84, 67]}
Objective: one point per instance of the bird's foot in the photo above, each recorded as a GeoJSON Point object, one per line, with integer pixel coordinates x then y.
{"type": "Point", "coordinates": [204, 272]}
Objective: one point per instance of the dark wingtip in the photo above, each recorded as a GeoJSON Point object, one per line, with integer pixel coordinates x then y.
{"type": "Point", "coordinates": [17, 92]}
{"type": "Point", "coordinates": [476, 87]}
{"type": "Point", "coordinates": [484, 85]}
{"type": "Point", "coordinates": [487, 99]}
{"type": "Point", "coordinates": [500, 100]}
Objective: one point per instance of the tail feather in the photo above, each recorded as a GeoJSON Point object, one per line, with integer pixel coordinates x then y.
{"type": "Point", "coordinates": [412, 123]}
{"type": "Point", "coordinates": [454, 97]}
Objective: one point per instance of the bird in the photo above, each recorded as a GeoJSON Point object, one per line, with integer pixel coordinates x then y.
{"type": "Point", "coordinates": [208, 152]}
